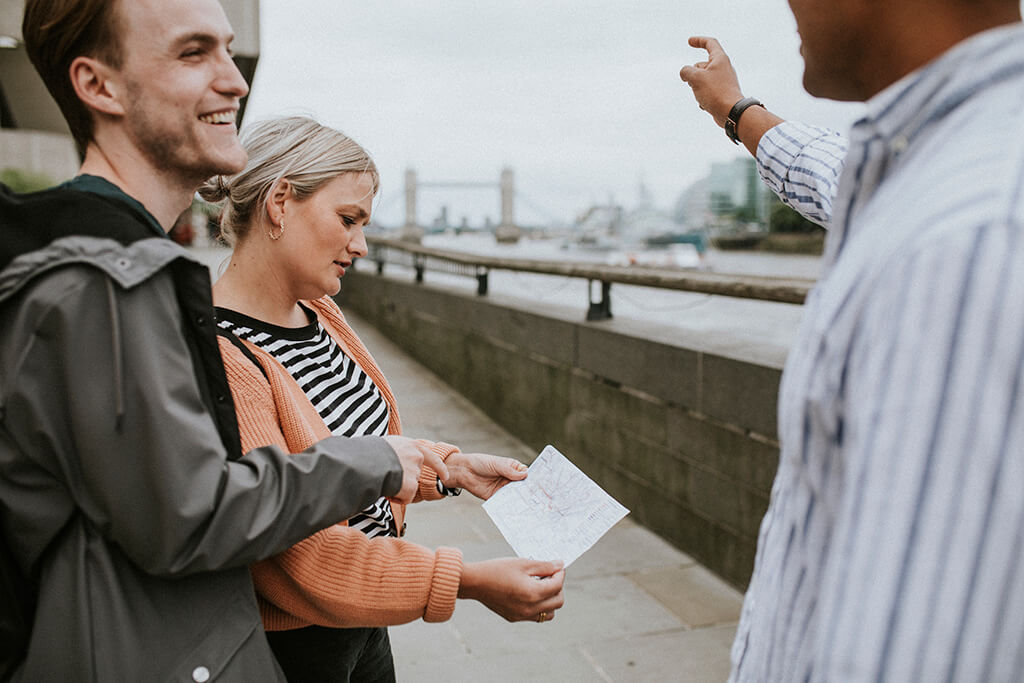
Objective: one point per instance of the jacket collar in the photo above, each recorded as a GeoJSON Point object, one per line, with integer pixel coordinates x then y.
{"type": "Point", "coordinates": [127, 266]}
{"type": "Point", "coordinates": [104, 188]}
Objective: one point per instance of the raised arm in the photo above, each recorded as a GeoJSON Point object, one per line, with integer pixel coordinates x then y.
{"type": "Point", "coordinates": [800, 163]}
{"type": "Point", "coordinates": [717, 90]}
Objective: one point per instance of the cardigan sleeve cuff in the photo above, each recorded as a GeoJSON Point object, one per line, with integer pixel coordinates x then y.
{"type": "Point", "coordinates": [428, 477]}
{"type": "Point", "coordinates": [445, 587]}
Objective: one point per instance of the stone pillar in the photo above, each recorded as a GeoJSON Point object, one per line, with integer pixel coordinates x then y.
{"type": "Point", "coordinates": [508, 197]}
{"type": "Point", "coordinates": [507, 230]}
{"type": "Point", "coordinates": [411, 231]}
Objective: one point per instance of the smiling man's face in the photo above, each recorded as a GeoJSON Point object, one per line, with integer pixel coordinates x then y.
{"type": "Point", "coordinates": [181, 87]}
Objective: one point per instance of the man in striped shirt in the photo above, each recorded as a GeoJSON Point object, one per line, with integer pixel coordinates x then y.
{"type": "Point", "coordinates": [892, 547]}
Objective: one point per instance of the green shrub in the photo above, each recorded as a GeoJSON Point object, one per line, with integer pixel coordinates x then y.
{"type": "Point", "coordinates": [25, 181]}
{"type": "Point", "coordinates": [786, 219]}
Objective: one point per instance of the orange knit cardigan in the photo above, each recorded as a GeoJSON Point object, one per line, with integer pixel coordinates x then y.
{"type": "Point", "coordinates": [337, 577]}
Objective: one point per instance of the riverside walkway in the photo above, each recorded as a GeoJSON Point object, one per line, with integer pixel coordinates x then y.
{"type": "Point", "coordinates": [636, 609]}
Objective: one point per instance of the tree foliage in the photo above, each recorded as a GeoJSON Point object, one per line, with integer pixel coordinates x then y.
{"type": "Point", "coordinates": [25, 181]}
{"type": "Point", "coordinates": [786, 219]}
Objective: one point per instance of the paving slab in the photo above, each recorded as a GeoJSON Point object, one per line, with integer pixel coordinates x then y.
{"type": "Point", "coordinates": [555, 664]}
{"type": "Point", "coordinates": [595, 609]}
{"type": "Point", "coordinates": [627, 548]}
{"type": "Point", "coordinates": [692, 593]}
{"type": "Point", "coordinates": [698, 655]}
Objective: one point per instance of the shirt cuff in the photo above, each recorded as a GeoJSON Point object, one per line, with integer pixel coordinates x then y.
{"type": "Point", "coordinates": [779, 148]}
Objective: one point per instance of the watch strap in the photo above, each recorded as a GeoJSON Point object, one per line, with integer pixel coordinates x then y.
{"type": "Point", "coordinates": [733, 120]}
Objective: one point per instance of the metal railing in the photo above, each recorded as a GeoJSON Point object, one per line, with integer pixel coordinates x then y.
{"type": "Point", "coordinates": [784, 290]}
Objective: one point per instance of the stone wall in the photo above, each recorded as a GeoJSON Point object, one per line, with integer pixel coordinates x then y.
{"type": "Point", "coordinates": [684, 438]}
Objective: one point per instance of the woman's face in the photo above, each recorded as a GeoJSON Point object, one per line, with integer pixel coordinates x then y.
{"type": "Point", "coordinates": [324, 233]}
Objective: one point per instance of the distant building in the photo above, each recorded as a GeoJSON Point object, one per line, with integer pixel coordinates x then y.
{"type": "Point", "coordinates": [645, 220]}
{"type": "Point", "coordinates": [33, 135]}
{"type": "Point", "coordinates": [731, 197]}
{"type": "Point", "coordinates": [693, 207]}
{"type": "Point", "coordinates": [733, 187]}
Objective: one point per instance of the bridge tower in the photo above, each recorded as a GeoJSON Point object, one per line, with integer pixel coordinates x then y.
{"type": "Point", "coordinates": [507, 231]}
{"type": "Point", "coordinates": [411, 231]}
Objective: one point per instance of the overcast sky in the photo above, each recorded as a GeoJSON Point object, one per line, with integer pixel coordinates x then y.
{"type": "Point", "coordinates": [581, 99]}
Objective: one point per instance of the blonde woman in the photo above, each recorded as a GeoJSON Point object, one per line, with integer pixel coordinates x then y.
{"type": "Point", "coordinates": [295, 217]}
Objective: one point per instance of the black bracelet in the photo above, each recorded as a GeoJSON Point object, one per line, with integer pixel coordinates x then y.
{"type": "Point", "coordinates": [733, 120]}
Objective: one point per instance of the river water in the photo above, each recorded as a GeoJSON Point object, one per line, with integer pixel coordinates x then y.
{"type": "Point", "coordinates": [740, 262]}
{"type": "Point", "coordinates": [759, 331]}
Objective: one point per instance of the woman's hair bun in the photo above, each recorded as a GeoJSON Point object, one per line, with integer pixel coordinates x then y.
{"type": "Point", "coordinates": [215, 190]}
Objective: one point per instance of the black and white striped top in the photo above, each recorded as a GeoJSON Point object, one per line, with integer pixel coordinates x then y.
{"type": "Point", "coordinates": [345, 396]}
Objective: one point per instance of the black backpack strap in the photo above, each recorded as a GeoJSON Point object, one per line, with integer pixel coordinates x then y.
{"type": "Point", "coordinates": [17, 611]}
{"type": "Point", "coordinates": [244, 349]}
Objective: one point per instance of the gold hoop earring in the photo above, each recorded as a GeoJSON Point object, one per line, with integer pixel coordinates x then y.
{"type": "Point", "coordinates": [270, 233]}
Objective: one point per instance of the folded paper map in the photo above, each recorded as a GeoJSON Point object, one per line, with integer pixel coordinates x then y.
{"type": "Point", "coordinates": [556, 513]}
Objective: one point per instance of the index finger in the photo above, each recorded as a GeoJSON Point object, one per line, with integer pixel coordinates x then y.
{"type": "Point", "coordinates": [707, 43]}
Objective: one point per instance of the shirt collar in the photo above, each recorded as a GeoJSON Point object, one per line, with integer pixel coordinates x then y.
{"type": "Point", "coordinates": [907, 106]}
{"type": "Point", "coordinates": [103, 187]}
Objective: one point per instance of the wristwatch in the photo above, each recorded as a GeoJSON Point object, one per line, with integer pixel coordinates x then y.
{"type": "Point", "coordinates": [733, 120]}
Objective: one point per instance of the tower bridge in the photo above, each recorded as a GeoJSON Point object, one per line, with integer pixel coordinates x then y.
{"type": "Point", "coordinates": [505, 231]}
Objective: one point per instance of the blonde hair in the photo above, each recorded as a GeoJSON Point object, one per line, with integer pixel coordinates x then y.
{"type": "Point", "coordinates": [296, 148]}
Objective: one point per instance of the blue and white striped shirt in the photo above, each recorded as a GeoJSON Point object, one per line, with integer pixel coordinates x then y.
{"type": "Point", "coordinates": [893, 547]}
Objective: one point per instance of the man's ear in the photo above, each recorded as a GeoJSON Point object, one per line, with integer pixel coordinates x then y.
{"type": "Point", "coordinates": [276, 198]}
{"type": "Point", "coordinates": [96, 86]}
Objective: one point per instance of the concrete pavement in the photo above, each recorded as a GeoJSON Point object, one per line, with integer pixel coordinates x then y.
{"type": "Point", "coordinates": [636, 608]}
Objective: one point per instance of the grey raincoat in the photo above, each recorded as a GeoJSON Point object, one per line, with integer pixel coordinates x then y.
{"type": "Point", "coordinates": [122, 493]}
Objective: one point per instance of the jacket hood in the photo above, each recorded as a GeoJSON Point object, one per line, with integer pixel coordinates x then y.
{"type": "Point", "coordinates": [33, 220]}
{"type": "Point", "coordinates": [55, 228]}
{"type": "Point", "coordinates": [106, 234]}
{"type": "Point", "coordinates": [127, 266]}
